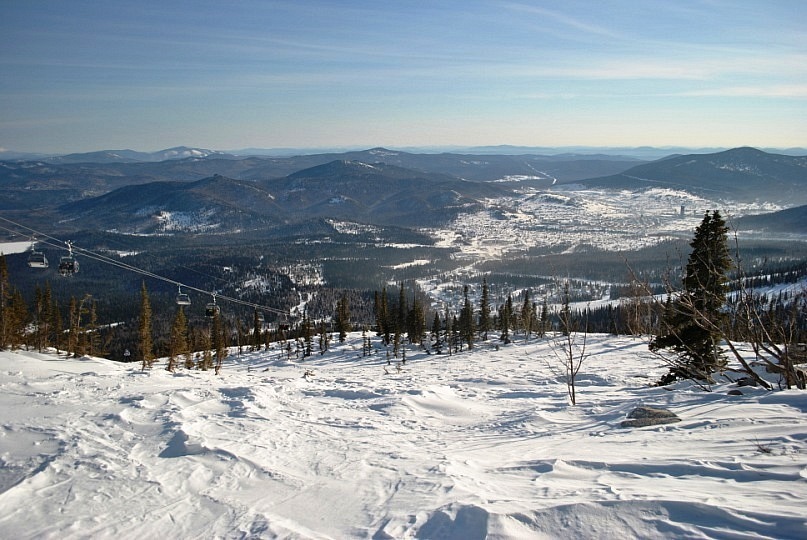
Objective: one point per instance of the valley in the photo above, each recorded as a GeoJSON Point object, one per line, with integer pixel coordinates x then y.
{"type": "Point", "coordinates": [361, 221]}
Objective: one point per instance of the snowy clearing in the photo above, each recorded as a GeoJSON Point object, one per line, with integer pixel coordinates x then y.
{"type": "Point", "coordinates": [7, 248]}
{"type": "Point", "coordinates": [475, 445]}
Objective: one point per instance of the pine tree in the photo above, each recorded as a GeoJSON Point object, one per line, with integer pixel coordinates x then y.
{"type": "Point", "coordinates": [146, 341]}
{"type": "Point", "coordinates": [379, 325]}
{"type": "Point", "coordinates": [527, 314]}
{"type": "Point", "coordinates": [382, 316]}
{"type": "Point", "coordinates": [403, 310]}
{"type": "Point", "coordinates": [484, 310]}
{"type": "Point", "coordinates": [5, 297]}
{"type": "Point", "coordinates": [456, 334]}
{"type": "Point", "coordinates": [308, 335]}
{"type": "Point", "coordinates": [218, 336]}
{"type": "Point", "coordinates": [342, 318]}
{"type": "Point", "coordinates": [449, 332]}
{"type": "Point", "coordinates": [72, 330]}
{"type": "Point", "coordinates": [691, 327]}
{"type": "Point", "coordinates": [437, 342]}
{"type": "Point", "coordinates": [38, 324]}
{"type": "Point", "coordinates": [505, 315]}
{"type": "Point", "coordinates": [416, 321]}
{"type": "Point", "coordinates": [206, 361]}
{"type": "Point", "coordinates": [46, 316]}
{"type": "Point", "coordinates": [93, 332]}
{"type": "Point", "coordinates": [565, 315]}
{"type": "Point", "coordinates": [466, 322]}
{"type": "Point", "coordinates": [323, 337]}
{"type": "Point", "coordinates": [57, 325]}
{"type": "Point", "coordinates": [178, 344]}
{"type": "Point", "coordinates": [257, 330]}
{"type": "Point", "coordinates": [18, 318]}
{"type": "Point", "coordinates": [543, 326]}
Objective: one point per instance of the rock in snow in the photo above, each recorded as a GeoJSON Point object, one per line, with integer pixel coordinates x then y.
{"type": "Point", "coordinates": [650, 416]}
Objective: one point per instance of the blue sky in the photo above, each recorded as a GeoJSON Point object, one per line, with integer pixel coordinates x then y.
{"type": "Point", "coordinates": [86, 75]}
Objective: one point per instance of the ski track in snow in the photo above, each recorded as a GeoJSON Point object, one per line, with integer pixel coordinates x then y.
{"type": "Point", "coordinates": [475, 445]}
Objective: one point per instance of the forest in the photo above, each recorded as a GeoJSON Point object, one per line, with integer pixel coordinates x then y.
{"type": "Point", "coordinates": [503, 306]}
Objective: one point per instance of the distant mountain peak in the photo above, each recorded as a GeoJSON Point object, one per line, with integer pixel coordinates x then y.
{"type": "Point", "coordinates": [183, 152]}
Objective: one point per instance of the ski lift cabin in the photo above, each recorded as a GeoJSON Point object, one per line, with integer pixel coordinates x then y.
{"type": "Point", "coordinates": [37, 259]}
{"type": "Point", "coordinates": [211, 309]}
{"type": "Point", "coordinates": [68, 265]}
{"type": "Point", "coordinates": [182, 298]}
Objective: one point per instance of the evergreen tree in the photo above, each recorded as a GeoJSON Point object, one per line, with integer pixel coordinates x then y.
{"type": "Point", "coordinates": [543, 326]}
{"type": "Point", "coordinates": [206, 361]}
{"type": "Point", "coordinates": [5, 297]}
{"type": "Point", "coordinates": [38, 322]}
{"type": "Point", "coordinates": [466, 322]}
{"type": "Point", "coordinates": [484, 310]}
{"type": "Point", "coordinates": [308, 335]}
{"type": "Point", "coordinates": [691, 326]}
{"type": "Point", "coordinates": [456, 334]}
{"type": "Point", "coordinates": [17, 319]}
{"type": "Point", "coordinates": [565, 315]}
{"type": "Point", "coordinates": [377, 313]}
{"type": "Point", "coordinates": [505, 315]}
{"type": "Point", "coordinates": [342, 318]}
{"type": "Point", "coordinates": [437, 342]}
{"type": "Point", "coordinates": [178, 344]}
{"type": "Point", "coordinates": [449, 332]}
{"type": "Point", "coordinates": [403, 310]}
{"type": "Point", "coordinates": [219, 339]}
{"type": "Point", "coordinates": [323, 337]}
{"type": "Point", "coordinates": [257, 330]}
{"type": "Point", "coordinates": [382, 316]}
{"type": "Point", "coordinates": [72, 330]}
{"type": "Point", "coordinates": [527, 314]}
{"type": "Point", "coordinates": [93, 332]}
{"type": "Point", "coordinates": [46, 317]}
{"type": "Point", "coordinates": [416, 321]}
{"type": "Point", "coordinates": [57, 325]}
{"type": "Point", "coordinates": [146, 341]}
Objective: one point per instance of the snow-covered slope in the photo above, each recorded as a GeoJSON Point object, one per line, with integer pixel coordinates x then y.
{"type": "Point", "coordinates": [475, 445]}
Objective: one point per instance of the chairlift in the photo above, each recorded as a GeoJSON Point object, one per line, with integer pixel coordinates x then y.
{"type": "Point", "coordinates": [182, 298]}
{"type": "Point", "coordinates": [68, 265]}
{"type": "Point", "coordinates": [259, 316]}
{"type": "Point", "coordinates": [211, 309]}
{"type": "Point", "coordinates": [37, 259]}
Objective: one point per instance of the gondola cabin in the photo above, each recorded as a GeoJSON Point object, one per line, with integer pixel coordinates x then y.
{"type": "Point", "coordinates": [37, 259]}
{"type": "Point", "coordinates": [182, 298]}
{"type": "Point", "coordinates": [211, 310]}
{"type": "Point", "coordinates": [68, 265]}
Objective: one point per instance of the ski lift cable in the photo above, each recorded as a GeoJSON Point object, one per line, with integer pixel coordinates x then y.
{"type": "Point", "coordinates": [125, 266]}
{"type": "Point", "coordinates": [60, 244]}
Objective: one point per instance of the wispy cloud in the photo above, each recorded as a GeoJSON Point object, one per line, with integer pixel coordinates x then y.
{"type": "Point", "coordinates": [564, 20]}
{"type": "Point", "coordinates": [797, 91]}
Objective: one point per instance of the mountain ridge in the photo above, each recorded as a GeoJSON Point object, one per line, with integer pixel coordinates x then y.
{"type": "Point", "coordinates": [743, 173]}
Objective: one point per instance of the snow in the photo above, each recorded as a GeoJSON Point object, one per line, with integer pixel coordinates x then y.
{"type": "Point", "coordinates": [478, 444]}
{"type": "Point", "coordinates": [416, 262]}
{"type": "Point", "coordinates": [7, 248]}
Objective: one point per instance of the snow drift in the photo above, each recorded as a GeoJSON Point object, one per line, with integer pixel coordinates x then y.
{"type": "Point", "coordinates": [481, 444]}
